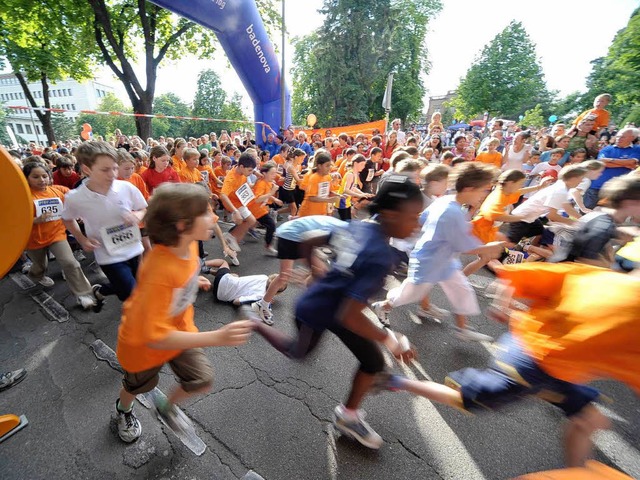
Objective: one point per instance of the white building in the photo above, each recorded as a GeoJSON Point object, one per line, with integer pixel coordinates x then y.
{"type": "Point", "coordinates": [67, 94]}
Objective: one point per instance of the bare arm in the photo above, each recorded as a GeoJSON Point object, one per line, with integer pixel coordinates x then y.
{"type": "Point", "coordinates": [554, 216]}
{"type": "Point", "coordinates": [236, 333]}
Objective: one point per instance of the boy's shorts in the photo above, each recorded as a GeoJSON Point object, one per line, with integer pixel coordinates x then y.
{"type": "Point", "coordinates": [512, 375]}
{"type": "Point", "coordinates": [288, 249]}
{"type": "Point", "coordinates": [192, 368]}
{"type": "Point", "coordinates": [519, 230]}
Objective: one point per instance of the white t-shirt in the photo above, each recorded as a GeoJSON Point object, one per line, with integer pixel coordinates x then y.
{"type": "Point", "coordinates": [246, 289]}
{"type": "Point", "coordinates": [539, 204]}
{"type": "Point", "coordinates": [515, 160]}
{"type": "Point", "coordinates": [537, 170]}
{"type": "Point", "coordinates": [105, 211]}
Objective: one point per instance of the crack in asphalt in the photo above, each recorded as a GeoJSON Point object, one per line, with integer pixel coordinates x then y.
{"type": "Point", "coordinates": [416, 455]}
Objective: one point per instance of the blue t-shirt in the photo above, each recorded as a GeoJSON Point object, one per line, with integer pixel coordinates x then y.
{"type": "Point", "coordinates": [294, 230]}
{"type": "Point", "coordinates": [445, 234]}
{"type": "Point", "coordinates": [363, 261]}
{"type": "Point", "coordinates": [612, 151]}
{"type": "Point", "coordinates": [546, 156]}
{"type": "Point", "coordinates": [272, 147]}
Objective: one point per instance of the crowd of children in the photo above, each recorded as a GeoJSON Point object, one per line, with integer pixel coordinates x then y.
{"type": "Point", "coordinates": [145, 218]}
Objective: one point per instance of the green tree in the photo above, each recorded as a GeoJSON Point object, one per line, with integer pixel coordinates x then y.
{"type": "Point", "coordinates": [63, 127]}
{"type": "Point", "coordinates": [106, 125]}
{"type": "Point", "coordinates": [618, 73]}
{"type": "Point", "coordinates": [232, 110]}
{"type": "Point", "coordinates": [534, 118]}
{"type": "Point", "coordinates": [4, 136]}
{"type": "Point", "coordinates": [44, 41]}
{"type": "Point", "coordinates": [340, 70]}
{"type": "Point", "coordinates": [505, 79]}
{"type": "Point", "coordinates": [169, 104]}
{"type": "Point", "coordinates": [123, 28]}
{"type": "Point", "coordinates": [208, 102]}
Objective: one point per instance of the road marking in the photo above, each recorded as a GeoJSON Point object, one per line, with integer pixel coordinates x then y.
{"type": "Point", "coordinates": [24, 282]}
{"type": "Point", "coordinates": [50, 307]}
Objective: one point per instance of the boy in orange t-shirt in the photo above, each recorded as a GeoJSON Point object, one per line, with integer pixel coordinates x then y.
{"type": "Point", "coordinates": [189, 172]}
{"type": "Point", "coordinates": [492, 156]}
{"type": "Point", "coordinates": [264, 190]}
{"type": "Point", "coordinates": [235, 195]}
{"type": "Point", "coordinates": [582, 324]}
{"type": "Point", "coordinates": [157, 324]}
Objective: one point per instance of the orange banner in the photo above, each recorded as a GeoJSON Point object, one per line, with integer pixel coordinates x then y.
{"type": "Point", "coordinates": [351, 130]}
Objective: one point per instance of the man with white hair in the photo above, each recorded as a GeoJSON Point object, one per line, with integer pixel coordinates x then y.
{"type": "Point", "coordinates": [402, 137]}
{"type": "Point", "coordinates": [619, 159]}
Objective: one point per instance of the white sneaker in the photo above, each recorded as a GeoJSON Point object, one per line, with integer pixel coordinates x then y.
{"type": "Point", "coordinates": [79, 255]}
{"type": "Point", "coordinates": [129, 428]}
{"type": "Point", "coordinates": [433, 313]}
{"type": "Point", "coordinates": [467, 335]}
{"type": "Point", "coordinates": [381, 313]}
{"type": "Point", "coordinates": [265, 314]}
{"type": "Point", "coordinates": [356, 428]}
{"type": "Point", "coordinates": [232, 242]}
{"type": "Point", "coordinates": [272, 252]}
{"type": "Point", "coordinates": [47, 282]}
{"type": "Point", "coordinates": [86, 301]}
{"type": "Point", "coordinates": [233, 259]}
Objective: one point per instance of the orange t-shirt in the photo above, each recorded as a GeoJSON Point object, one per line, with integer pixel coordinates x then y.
{"type": "Point", "coordinates": [46, 233]}
{"type": "Point", "coordinates": [139, 183]}
{"type": "Point", "coordinates": [317, 186]}
{"type": "Point", "coordinates": [491, 158]}
{"type": "Point", "coordinates": [602, 117]}
{"type": "Point", "coordinates": [261, 187]}
{"type": "Point", "coordinates": [220, 174]}
{"type": "Point", "coordinates": [207, 175]}
{"type": "Point", "coordinates": [161, 303]}
{"type": "Point", "coordinates": [494, 205]}
{"type": "Point", "coordinates": [178, 164]}
{"type": "Point", "coordinates": [190, 175]}
{"type": "Point", "coordinates": [232, 182]}
{"type": "Point", "coordinates": [343, 168]}
{"type": "Point", "coordinates": [141, 170]}
{"type": "Point", "coordinates": [583, 323]}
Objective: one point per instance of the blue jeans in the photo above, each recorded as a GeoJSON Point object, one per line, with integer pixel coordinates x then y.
{"type": "Point", "coordinates": [122, 278]}
{"type": "Point", "coordinates": [590, 198]}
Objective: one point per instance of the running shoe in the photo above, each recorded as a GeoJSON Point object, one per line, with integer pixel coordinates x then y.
{"type": "Point", "coordinates": [129, 428]}
{"type": "Point", "coordinates": [381, 313]}
{"type": "Point", "coordinates": [253, 233]}
{"type": "Point", "coordinates": [384, 382]}
{"type": "Point", "coordinates": [265, 314]}
{"type": "Point", "coordinates": [175, 419]}
{"type": "Point", "coordinates": [10, 379]}
{"type": "Point", "coordinates": [233, 259]}
{"type": "Point", "coordinates": [100, 298]}
{"type": "Point", "coordinates": [26, 266]}
{"type": "Point", "coordinates": [232, 242]}
{"type": "Point", "coordinates": [272, 252]}
{"type": "Point", "coordinates": [356, 428]}
{"type": "Point", "coordinates": [433, 313]}
{"type": "Point", "coordinates": [46, 282]}
{"type": "Point", "coordinates": [467, 335]}
{"type": "Point", "coordinates": [86, 301]}
{"type": "Point", "coordinates": [79, 255]}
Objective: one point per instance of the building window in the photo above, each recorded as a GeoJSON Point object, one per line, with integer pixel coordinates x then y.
{"type": "Point", "coordinates": [28, 127]}
{"type": "Point", "coordinates": [73, 106]}
{"type": "Point", "coordinates": [38, 130]}
{"type": "Point", "coordinates": [21, 95]}
{"type": "Point", "coordinates": [69, 91]}
{"type": "Point", "coordinates": [19, 128]}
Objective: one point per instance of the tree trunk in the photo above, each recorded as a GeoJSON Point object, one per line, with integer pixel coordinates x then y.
{"type": "Point", "coordinates": [43, 116]}
{"type": "Point", "coordinates": [143, 124]}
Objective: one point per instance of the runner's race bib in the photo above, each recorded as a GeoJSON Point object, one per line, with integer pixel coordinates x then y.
{"type": "Point", "coordinates": [323, 189]}
{"type": "Point", "coordinates": [49, 205]}
{"type": "Point", "coordinates": [119, 237]}
{"type": "Point", "coordinates": [183, 297]}
{"type": "Point", "coordinates": [205, 176]}
{"type": "Point", "coordinates": [370, 174]}
{"type": "Point", "coordinates": [245, 194]}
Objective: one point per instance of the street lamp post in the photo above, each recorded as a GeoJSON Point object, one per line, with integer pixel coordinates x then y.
{"type": "Point", "coordinates": [283, 107]}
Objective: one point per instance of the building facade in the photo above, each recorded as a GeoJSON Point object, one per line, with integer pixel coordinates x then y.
{"type": "Point", "coordinates": [67, 94]}
{"type": "Point", "coordinates": [436, 103]}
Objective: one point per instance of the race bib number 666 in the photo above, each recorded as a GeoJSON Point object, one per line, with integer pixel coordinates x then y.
{"type": "Point", "coordinates": [119, 237]}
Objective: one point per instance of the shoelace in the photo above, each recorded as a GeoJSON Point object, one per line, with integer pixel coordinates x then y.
{"type": "Point", "coordinates": [129, 419]}
{"type": "Point", "coordinates": [4, 376]}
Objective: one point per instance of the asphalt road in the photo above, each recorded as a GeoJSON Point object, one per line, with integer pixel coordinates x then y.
{"type": "Point", "coordinates": [266, 413]}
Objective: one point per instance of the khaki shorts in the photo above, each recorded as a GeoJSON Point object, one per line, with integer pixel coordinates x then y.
{"type": "Point", "coordinates": [192, 368]}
